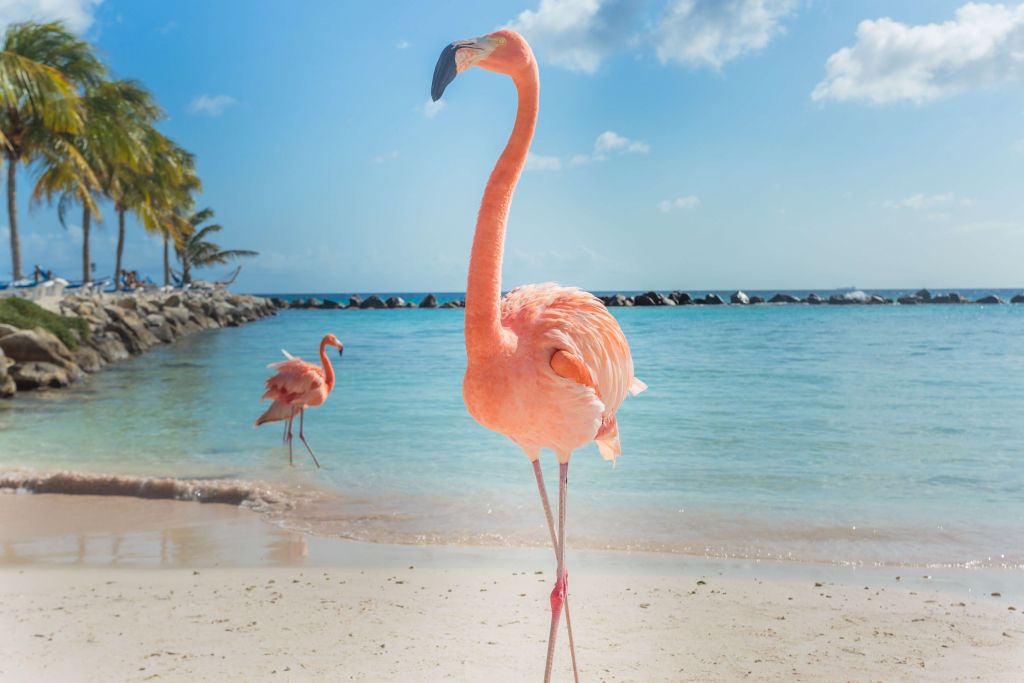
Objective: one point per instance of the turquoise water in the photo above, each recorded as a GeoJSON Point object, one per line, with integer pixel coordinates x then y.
{"type": "Point", "coordinates": [875, 435]}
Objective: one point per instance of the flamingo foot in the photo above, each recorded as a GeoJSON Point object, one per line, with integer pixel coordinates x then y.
{"type": "Point", "coordinates": [306, 444]}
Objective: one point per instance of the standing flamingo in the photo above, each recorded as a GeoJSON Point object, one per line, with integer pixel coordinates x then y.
{"type": "Point", "coordinates": [298, 385]}
{"type": "Point", "coordinates": [548, 366]}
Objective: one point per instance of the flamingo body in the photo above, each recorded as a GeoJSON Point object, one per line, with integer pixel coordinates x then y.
{"type": "Point", "coordinates": [518, 393]}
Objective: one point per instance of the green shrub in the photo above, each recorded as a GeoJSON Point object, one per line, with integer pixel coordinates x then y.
{"type": "Point", "coordinates": [25, 315]}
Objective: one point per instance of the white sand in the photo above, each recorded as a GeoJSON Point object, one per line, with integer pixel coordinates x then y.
{"type": "Point", "coordinates": [479, 615]}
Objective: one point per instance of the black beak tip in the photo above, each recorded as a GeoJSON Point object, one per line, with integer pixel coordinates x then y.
{"type": "Point", "coordinates": [341, 351]}
{"type": "Point", "coordinates": [444, 72]}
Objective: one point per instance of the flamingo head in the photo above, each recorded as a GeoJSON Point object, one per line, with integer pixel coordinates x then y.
{"type": "Point", "coordinates": [503, 51]}
{"type": "Point", "coordinates": [331, 340]}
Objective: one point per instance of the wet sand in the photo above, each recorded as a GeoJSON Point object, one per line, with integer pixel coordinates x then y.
{"type": "Point", "coordinates": [112, 588]}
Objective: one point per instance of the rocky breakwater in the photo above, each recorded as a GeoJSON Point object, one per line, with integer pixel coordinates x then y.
{"type": "Point", "coordinates": [115, 328]}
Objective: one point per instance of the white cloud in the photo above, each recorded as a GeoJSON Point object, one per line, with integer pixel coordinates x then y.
{"type": "Point", "coordinates": [687, 202]}
{"type": "Point", "coordinates": [890, 62]}
{"type": "Point", "coordinates": [579, 34]}
{"type": "Point", "coordinates": [432, 109]}
{"type": "Point", "coordinates": [210, 105]}
{"type": "Point", "coordinates": [538, 162]}
{"type": "Point", "coordinates": [610, 141]}
{"type": "Point", "coordinates": [77, 15]}
{"type": "Point", "coordinates": [921, 201]}
{"type": "Point", "coordinates": [403, 45]}
{"type": "Point", "coordinates": [713, 32]}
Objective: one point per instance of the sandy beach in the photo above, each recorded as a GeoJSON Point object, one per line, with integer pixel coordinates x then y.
{"type": "Point", "coordinates": [121, 589]}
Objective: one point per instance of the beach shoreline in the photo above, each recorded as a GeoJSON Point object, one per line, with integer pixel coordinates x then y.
{"type": "Point", "coordinates": [127, 589]}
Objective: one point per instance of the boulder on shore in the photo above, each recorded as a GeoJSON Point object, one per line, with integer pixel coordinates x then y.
{"type": "Point", "coordinates": [36, 345]}
{"type": "Point", "coordinates": [395, 302]}
{"type": "Point", "coordinates": [330, 305]}
{"type": "Point", "coordinates": [924, 295]}
{"type": "Point", "coordinates": [712, 299]}
{"type": "Point", "coordinates": [373, 301]}
{"type": "Point", "coordinates": [784, 299]}
{"type": "Point", "coordinates": [355, 301]}
{"type": "Point", "coordinates": [950, 298]}
{"type": "Point", "coordinates": [990, 299]}
{"type": "Point", "coordinates": [814, 299]}
{"type": "Point", "coordinates": [429, 301]}
{"type": "Point", "coordinates": [681, 298]}
{"type": "Point", "coordinates": [38, 374]}
{"type": "Point", "coordinates": [1017, 298]}
{"type": "Point", "coordinates": [739, 297]}
{"type": "Point", "coordinates": [757, 299]}
{"type": "Point", "coordinates": [7, 386]}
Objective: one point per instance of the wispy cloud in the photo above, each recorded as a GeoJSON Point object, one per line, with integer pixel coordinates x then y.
{"type": "Point", "coordinates": [539, 162]}
{"type": "Point", "coordinates": [981, 46]}
{"type": "Point", "coordinates": [387, 156]}
{"type": "Point", "coordinates": [77, 15]}
{"type": "Point", "coordinates": [710, 33]}
{"type": "Point", "coordinates": [922, 201]}
{"type": "Point", "coordinates": [432, 108]}
{"type": "Point", "coordinates": [403, 45]}
{"type": "Point", "coordinates": [210, 105]}
{"type": "Point", "coordinates": [580, 34]}
{"type": "Point", "coordinates": [687, 202]}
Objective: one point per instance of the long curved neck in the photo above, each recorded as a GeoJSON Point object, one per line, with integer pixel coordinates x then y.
{"type": "Point", "coordinates": [483, 291]}
{"type": "Point", "coordinates": [328, 369]}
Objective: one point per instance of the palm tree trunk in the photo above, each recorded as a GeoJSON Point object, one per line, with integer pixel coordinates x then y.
{"type": "Point", "coordinates": [12, 216]}
{"type": "Point", "coordinates": [167, 261]}
{"type": "Point", "coordinates": [120, 248]}
{"type": "Point", "coordinates": [186, 271]}
{"type": "Point", "coordinates": [86, 221]}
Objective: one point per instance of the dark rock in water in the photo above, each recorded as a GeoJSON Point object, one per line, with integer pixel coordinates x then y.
{"type": "Point", "coordinates": [924, 295]}
{"type": "Point", "coordinates": [681, 298]}
{"type": "Point", "coordinates": [876, 299]}
{"type": "Point", "coordinates": [330, 304]}
{"type": "Point", "coordinates": [784, 299]}
{"type": "Point", "coordinates": [450, 304]}
{"type": "Point", "coordinates": [756, 299]}
{"type": "Point", "coordinates": [644, 300]}
{"type": "Point", "coordinates": [615, 300]}
{"type": "Point", "coordinates": [7, 386]}
{"type": "Point", "coordinates": [814, 299]}
{"type": "Point", "coordinates": [739, 297]}
{"type": "Point", "coordinates": [395, 302]}
{"type": "Point", "coordinates": [909, 300]}
{"type": "Point", "coordinates": [836, 299]}
{"type": "Point", "coordinates": [373, 301]}
{"type": "Point", "coordinates": [950, 298]}
{"type": "Point", "coordinates": [299, 303]}
{"type": "Point", "coordinates": [1017, 299]}
{"type": "Point", "coordinates": [990, 299]}
{"type": "Point", "coordinates": [712, 299]}
{"type": "Point", "coordinates": [429, 301]}
{"type": "Point", "coordinates": [88, 358]}
{"type": "Point", "coordinates": [278, 302]}
{"type": "Point", "coordinates": [313, 302]}
{"type": "Point", "coordinates": [355, 301]}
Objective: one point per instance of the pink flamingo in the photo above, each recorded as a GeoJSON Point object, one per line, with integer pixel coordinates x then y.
{"type": "Point", "coordinates": [548, 366]}
{"type": "Point", "coordinates": [298, 385]}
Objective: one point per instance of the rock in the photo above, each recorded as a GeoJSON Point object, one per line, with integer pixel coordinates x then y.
{"type": "Point", "coordinates": [990, 299]}
{"type": "Point", "coordinates": [37, 374]}
{"type": "Point", "coordinates": [7, 329]}
{"type": "Point", "coordinates": [909, 300]}
{"type": "Point", "coordinates": [7, 386]}
{"type": "Point", "coordinates": [924, 295]}
{"type": "Point", "coordinates": [617, 300]}
{"type": "Point", "coordinates": [88, 358]}
{"type": "Point", "coordinates": [36, 345]}
{"type": "Point", "coordinates": [395, 302]}
{"type": "Point", "coordinates": [784, 299]}
{"type": "Point", "coordinates": [739, 297]}
{"type": "Point", "coordinates": [313, 302]}
{"type": "Point", "coordinates": [329, 304]}
{"type": "Point", "coordinates": [128, 303]}
{"type": "Point", "coordinates": [712, 299]}
{"type": "Point", "coordinates": [814, 299]}
{"type": "Point", "coordinates": [877, 299]}
{"type": "Point", "coordinates": [1017, 299]}
{"type": "Point", "coordinates": [950, 298]}
{"type": "Point", "coordinates": [373, 301]}
{"type": "Point", "coordinates": [297, 303]}
{"type": "Point", "coordinates": [159, 327]}
{"type": "Point", "coordinates": [450, 304]}
{"type": "Point", "coordinates": [279, 303]}
{"type": "Point", "coordinates": [131, 329]}
{"type": "Point", "coordinates": [109, 346]}
{"type": "Point", "coordinates": [644, 300]}
{"type": "Point", "coordinates": [172, 301]}
{"type": "Point", "coordinates": [756, 299]}
{"type": "Point", "coordinates": [355, 301]}
{"type": "Point", "coordinates": [429, 301]}
{"type": "Point", "coordinates": [681, 298]}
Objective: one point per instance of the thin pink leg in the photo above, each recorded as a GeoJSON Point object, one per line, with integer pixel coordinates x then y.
{"type": "Point", "coordinates": [302, 437]}
{"type": "Point", "coordinates": [288, 437]}
{"type": "Point", "coordinates": [559, 596]}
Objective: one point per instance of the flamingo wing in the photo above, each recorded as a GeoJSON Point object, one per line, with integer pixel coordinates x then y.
{"type": "Point", "coordinates": [295, 381]}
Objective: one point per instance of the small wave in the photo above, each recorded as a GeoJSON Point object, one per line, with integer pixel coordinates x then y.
{"type": "Point", "coordinates": [257, 495]}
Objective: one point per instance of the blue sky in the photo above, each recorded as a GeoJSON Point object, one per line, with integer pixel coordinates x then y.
{"type": "Point", "coordinates": [681, 144]}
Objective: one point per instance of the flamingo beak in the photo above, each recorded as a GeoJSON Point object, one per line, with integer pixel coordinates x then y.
{"type": "Point", "coordinates": [456, 58]}
{"type": "Point", "coordinates": [341, 349]}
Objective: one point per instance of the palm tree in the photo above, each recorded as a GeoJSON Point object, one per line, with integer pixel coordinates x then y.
{"type": "Point", "coordinates": [76, 168]}
{"type": "Point", "coordinates": [170, 200]}
{"type": "Point", "coordinates": [42, 67]}
{"type": "Point", "coordinates": [198, 252]}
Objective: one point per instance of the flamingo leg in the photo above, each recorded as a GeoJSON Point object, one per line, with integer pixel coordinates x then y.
{"type": "Point", "coordinates": [302, 437]}
{"type": "Point", "coordinates": [288, 438]}
{"type": "Point", "coordinates": [559, 596]}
